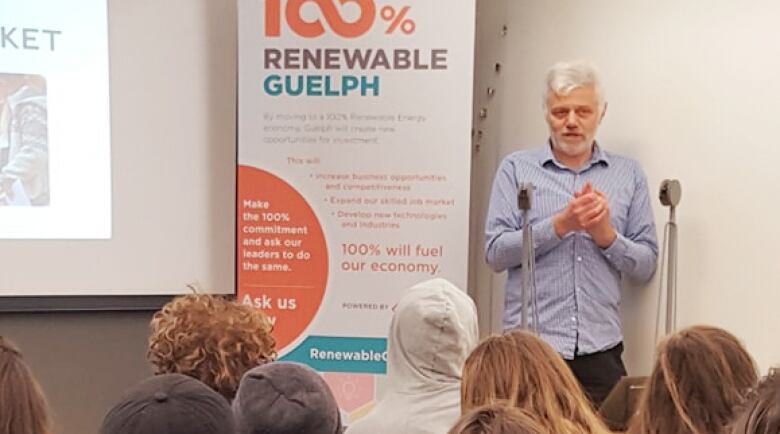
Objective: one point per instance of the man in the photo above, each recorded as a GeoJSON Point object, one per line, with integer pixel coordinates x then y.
{"type": "Point", "coordinates": [24, 169]}
{"type": "Point", "coordinates": [592, 225]}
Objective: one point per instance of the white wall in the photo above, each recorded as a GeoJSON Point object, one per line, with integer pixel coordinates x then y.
{"type": "Point", "coordinates": [488, 48]}
{"type": "Point", "coordinates": [693, 91]}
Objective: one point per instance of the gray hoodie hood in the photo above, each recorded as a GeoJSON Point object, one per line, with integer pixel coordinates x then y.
{"type": "Point", "coordinates": [433, 330]}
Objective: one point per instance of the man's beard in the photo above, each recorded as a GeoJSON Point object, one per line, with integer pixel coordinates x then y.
{"type": "Point", "coordinates": [573, 149]}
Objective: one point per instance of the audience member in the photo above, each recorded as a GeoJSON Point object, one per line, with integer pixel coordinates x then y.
{"type": "Point", "coordinates": [522, 370]}
{"type": "Point", "coordinates": [761, 415]}
{"type": "Point", "coordinates": [23, 408]}
{"type": "Point", "coordinates": [498, 419]}
{"type": "Point", "coordinates": [211, 339]}
{"type": "Point", "coordinates": [434, 327]}
{"type": "Point", "coordinates": [701, 375]}
{"type": "Point", "coordinates": [170, 404]}
{"type": "Point", "coordinates": [285, 398]}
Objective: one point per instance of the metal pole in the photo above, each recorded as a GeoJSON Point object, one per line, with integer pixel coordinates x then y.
{"type": "Point", "coordinates": [671, 275]}
{"type": "Point", "coordinates": [527, 260]}
{"type": "Point", "coordinates": [524, 272]}
{"type": "Point", "coordinates": [669, 194]}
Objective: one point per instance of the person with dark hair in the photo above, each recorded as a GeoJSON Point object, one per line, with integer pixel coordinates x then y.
{"type": "Point", "coordinates": [210, 338]}
{"type": "Point", "coordinates": [498, 419]}
{"type": "Point", "coordinates": [761, 414]}
{"type": "Point", "coordinates": [701, 375]}
{"type": "Point", "coordinates": [285, 398]}
{"type": "Point", "coordinates": [434, 328]}
{"type": "Point", "coordinates": [521, 370]}
{"type": "Point", "coordinates": [23, 407]}
{"type": "Point", "coordinates": [170, 404]}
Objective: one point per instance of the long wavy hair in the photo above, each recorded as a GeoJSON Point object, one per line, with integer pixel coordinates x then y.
{"type": "Point", "coordinates": [498, 418]}
{"type": "Point", "coordinates": [211, 339]}
{"type": "Point", "coordinates": [24, 408]}
{"type": "Point", "coordinates": [701, 375]}
{"type": "Point", "coordinates": [522, 370]}
{"type": "Point", "coordinates": [761, 414]}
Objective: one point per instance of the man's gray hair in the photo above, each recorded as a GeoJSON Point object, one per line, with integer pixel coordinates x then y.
{"type": "Point", "coordinates": [564, 77]}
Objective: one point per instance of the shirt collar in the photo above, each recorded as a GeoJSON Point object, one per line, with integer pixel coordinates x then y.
{"type": "Point", "coordinates": [598, 156]}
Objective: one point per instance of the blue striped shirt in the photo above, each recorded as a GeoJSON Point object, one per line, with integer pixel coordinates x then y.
{"type": "Point", "coordinates": [577, 282]}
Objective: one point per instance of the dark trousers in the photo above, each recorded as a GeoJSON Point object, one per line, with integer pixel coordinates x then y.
{"type": "Point", "coordinates": [599, 372]}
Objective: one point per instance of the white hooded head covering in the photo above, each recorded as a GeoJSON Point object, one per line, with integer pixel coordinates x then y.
{"type": "Point", "coordinates": [433, 330]}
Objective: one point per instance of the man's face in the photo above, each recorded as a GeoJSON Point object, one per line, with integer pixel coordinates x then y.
{"type": "Point", "coordinates": [573, 120]}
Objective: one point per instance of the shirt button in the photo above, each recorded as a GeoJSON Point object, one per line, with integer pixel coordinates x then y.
{"type": "Point", "coordinates": [579, 258]}
{"type": "Point", "coordinates": [609, 255]}
{"type": "Point", "coordinates": [574, 318]}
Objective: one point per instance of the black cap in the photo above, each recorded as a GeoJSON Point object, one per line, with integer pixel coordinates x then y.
{"type": "Point", "coordinates": [170, 404]}
{"type": "Point", "coordinates": [285, 398]}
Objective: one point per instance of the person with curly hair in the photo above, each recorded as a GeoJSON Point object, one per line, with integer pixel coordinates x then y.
{"type": "Point", "coordinates": [211, 339]}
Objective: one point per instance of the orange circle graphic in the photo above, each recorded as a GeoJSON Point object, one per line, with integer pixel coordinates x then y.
{"type": "Point", "coordinates": [281, 255]}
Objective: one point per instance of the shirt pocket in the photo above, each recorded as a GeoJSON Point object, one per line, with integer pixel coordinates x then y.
{"type": "Point", "coordinates": [546, 203]}
{"type": "Point", "coordinates": [619, 207]}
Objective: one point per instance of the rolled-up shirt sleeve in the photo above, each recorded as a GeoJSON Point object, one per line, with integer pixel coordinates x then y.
{"type": "Point", "coordinates": [504, 223]}
{"type": "Point", "coordinates": [635, 253]}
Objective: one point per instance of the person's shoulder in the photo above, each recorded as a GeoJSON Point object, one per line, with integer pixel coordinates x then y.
{"type": "Point", "coordinates": [621, 159]}
{"type": "Point", "coordinates": [525, 155]}
{"type": "Point", "coordinates": [623, 165]}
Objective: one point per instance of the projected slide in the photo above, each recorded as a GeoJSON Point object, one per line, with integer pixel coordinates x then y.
{"type": "Point", "coordinates": [55, 165]}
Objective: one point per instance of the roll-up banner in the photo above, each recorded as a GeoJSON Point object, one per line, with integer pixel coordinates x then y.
{"type": "Point", "coordinates": [354, 121]}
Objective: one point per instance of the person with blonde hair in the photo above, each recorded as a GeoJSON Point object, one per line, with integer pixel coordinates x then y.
{"type": "Point", "coordinates": [23, 407]}
{"type": "Point", "coordinates": [211, 339]}
{"type": "Point", "coordinates": [761, 415]}
{"type": "Point", "coordinates": [701, 375]}
{"type": "Point", "coordinates": [522, 370]}
{"type": "Point", "coordinates": [498, 419]}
